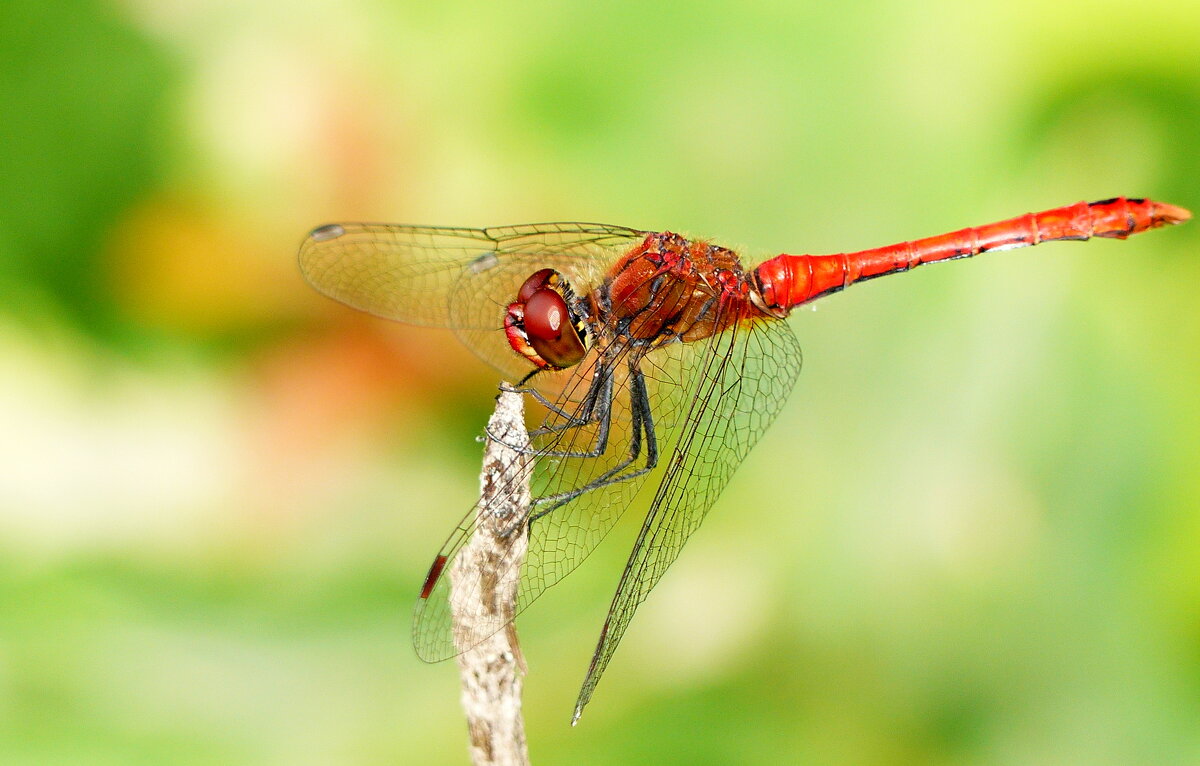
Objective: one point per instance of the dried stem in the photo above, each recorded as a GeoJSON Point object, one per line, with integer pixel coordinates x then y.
{"type": "Point", "coordinates": [492, 671]}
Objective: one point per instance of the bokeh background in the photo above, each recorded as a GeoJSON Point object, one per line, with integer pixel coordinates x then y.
{"type": "Point", "coordinates": [972, 538]}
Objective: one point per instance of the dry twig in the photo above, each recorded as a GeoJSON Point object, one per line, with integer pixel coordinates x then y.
{"type": "Point", "coordinates": [492, 671]}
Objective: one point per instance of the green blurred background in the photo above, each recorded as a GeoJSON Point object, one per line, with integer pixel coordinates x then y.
{"type": "Point", "coordinates": [972, 538]}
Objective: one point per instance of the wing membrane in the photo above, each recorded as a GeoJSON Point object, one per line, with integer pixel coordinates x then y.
{"type": "Point", "coordinates": [407, 273]}
{"type": "Point", "coordinates": [453, 277]}
{"type": "Point", "coordinates": [744, 376]}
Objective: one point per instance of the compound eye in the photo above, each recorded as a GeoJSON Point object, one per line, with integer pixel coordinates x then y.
{"type": "Point", "coordinates": [536, 281]}
{"type": "Point", "coordinates": [545, 315]}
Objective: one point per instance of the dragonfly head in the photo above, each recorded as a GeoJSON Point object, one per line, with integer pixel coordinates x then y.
{"type": "Point", "coordinates": [544, 324]}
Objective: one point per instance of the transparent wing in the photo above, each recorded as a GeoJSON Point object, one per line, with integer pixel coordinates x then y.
{"type": "Point", "coordinates": [742, 379]}
{"type": "Point", "coordinates": [457, 278]}
{"type": "Point", "coordinates": [580, 490]}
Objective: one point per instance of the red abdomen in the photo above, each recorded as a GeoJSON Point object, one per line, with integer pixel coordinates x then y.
{"type": "Point", "coordinates": [787, 281]}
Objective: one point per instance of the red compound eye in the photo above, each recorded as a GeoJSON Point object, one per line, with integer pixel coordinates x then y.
{"type": "Point", "coordinates": [536, 281]}
{"type": "Point", "coordinates": [539, 324]}
{"type": "Point", "coordinates": [545, 314]}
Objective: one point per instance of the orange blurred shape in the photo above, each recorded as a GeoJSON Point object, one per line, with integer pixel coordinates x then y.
{"type": "Point", "coordinates": [324, 401]}
{"type": "Point", "coordinates": [360, 375]}
{"type": "Point", "coordinates": [176, 266]}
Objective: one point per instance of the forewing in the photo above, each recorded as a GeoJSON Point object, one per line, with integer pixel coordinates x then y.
{"type": "Point", "coordinates": [458, 278]}
{"type": "Point", "coordinates": [744, 376]}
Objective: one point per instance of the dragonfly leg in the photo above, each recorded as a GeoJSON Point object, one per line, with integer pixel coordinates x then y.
{"type": "Point", "coordinates": [588, 408]}
{"type": "Point", "coordinates": [572, 420]}
{"type": "Point", "coordinates": [597, 409]}
{"type": "Point", "coordinates": [598, 406]}
{"type": "Point", "coordinates": [643, 423]}
{"type": "Point", "coordinates": [542, 400]}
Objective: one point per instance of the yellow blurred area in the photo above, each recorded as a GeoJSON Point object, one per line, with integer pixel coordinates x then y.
{"type": "Point", "coordinates": [176, 270]}
{"type": "Point", "coordinates": [971, 538]}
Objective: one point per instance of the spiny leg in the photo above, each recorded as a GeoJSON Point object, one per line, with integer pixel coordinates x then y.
{"type": "Point", "coordinates": [599, 407]}
{"type": "Point", "coordinates": [574, 420]}
{"type": "Point", "coordinates": [643, 422]}
{"type": "Point", "coordinates": [597, 404]}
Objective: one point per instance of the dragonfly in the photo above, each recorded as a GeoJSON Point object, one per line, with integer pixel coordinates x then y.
{"type": "Point", "coordinates": [654, 362]}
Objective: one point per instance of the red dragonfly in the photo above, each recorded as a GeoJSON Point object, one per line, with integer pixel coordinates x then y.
{"type": "Point", "coordinates": [656, 361]}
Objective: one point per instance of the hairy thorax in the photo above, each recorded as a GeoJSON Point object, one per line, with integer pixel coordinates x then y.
{"type": "Point", "coordinates": [668, 288]}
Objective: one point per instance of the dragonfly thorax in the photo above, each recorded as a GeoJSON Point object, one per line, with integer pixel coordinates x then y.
{"type": "Point", "coordinates": [669, 287]}
{"type": "Point", "coordinates": [544, 323]}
